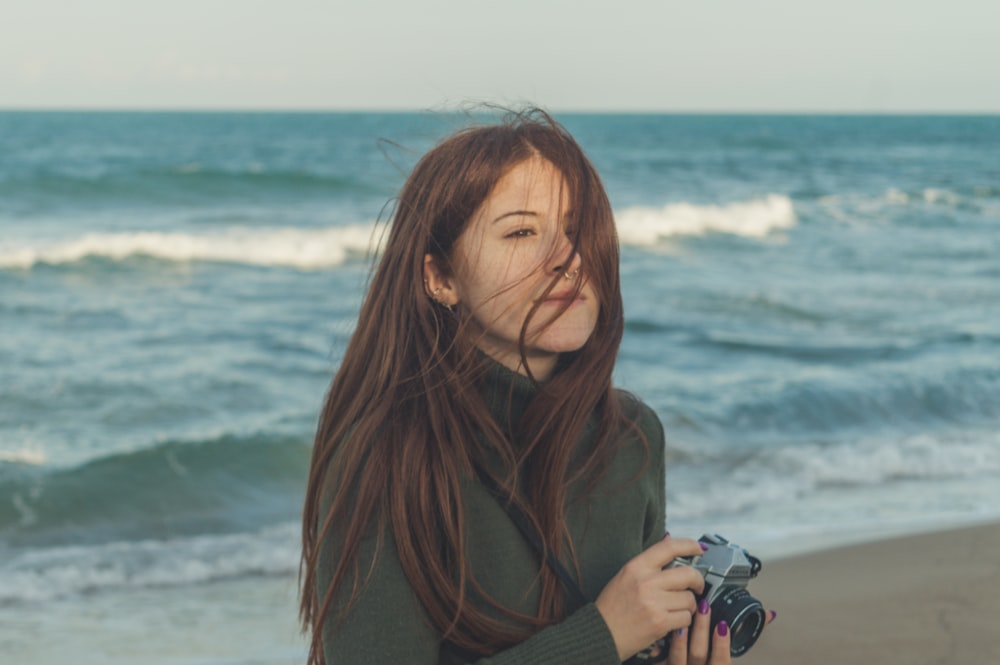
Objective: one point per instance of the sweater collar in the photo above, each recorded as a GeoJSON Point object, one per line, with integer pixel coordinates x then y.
{"type": "Point", "coordinates": [507, 393]}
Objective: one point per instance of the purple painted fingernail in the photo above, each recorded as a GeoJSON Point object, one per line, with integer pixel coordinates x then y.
{"type": "Point", "coordinates": [666, 534]}
{"type": "Point", "coordinates": [723, 628]}
{"type": "Point", "coordinates": [774, 615]}
{"type": "Point", "coordinates": [680, 632]}
{"type": "Point", "coordinates": [704, 547]}
{"type": "Point", "coordinates": [703, 606]}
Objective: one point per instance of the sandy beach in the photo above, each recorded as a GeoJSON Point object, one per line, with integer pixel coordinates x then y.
{"type": "Point", "coordinates": [916, 600]}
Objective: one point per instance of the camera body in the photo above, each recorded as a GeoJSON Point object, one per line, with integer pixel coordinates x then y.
{"type": "Point", "coordinates": [728, 569]}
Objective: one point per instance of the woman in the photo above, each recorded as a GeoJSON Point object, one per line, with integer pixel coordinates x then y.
{"type": "Point", "coordinates": [474, 411]}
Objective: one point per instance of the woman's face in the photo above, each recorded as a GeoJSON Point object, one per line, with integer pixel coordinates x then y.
{"type": "Point", "coordinates": [506, 257]}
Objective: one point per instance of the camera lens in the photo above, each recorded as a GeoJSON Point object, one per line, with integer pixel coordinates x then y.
{"type": "Point", "coordinates": [743, 613]}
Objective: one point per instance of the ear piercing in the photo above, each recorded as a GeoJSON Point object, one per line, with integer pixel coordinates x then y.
{"type": "Point", "coordinates": [434, 296]}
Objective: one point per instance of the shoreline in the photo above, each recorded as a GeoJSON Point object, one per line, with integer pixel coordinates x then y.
{"type": "Point", "coordinates": [918, 599]}
{"type": "Point", "coordinates": [808, 544]}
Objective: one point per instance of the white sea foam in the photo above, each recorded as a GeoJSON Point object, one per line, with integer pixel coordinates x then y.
{"type": "Point", "coordinates": [930, 195]}
{"type": "Point", "coordinates": [848, 207]}
{"type": "Point", "coordinates": [942, 196]}
{"type": "Point", "coordinates": [833, 517]}
{"type": "Point", "coordinates": [756, 218]}
{"type": "Point", "coordinates": [304, 248]}
{"type": "Point", "coordinates": [47, 573]}
{"type": "Point", "coordinates": [792, 473]}
{"type": "Point", "coordinates": [32, 455]}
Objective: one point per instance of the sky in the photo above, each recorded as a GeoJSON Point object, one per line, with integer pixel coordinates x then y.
{"type": "Point", "coordinates": [566, 55]}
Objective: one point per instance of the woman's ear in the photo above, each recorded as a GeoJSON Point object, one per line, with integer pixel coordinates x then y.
{"type": "Point", "coordinates": [438, 285]}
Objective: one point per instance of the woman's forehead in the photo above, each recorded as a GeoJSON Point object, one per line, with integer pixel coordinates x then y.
{"type": "Point", "coordinates": [534, 183]}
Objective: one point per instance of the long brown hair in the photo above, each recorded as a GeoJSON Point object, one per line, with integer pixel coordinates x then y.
{"type": "Point", "coordinates": [404, 422]}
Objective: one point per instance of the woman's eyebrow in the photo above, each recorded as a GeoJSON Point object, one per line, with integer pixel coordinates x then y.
{"type": "Point", "coordinates": [516, 213]}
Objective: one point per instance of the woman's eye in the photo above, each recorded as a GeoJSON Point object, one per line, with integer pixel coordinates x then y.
{"type": "Point", "coordinates": [520, 233]}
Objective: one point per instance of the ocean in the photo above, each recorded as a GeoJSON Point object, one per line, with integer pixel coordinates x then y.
{"type": "Point", "coordinates": [812, 308]}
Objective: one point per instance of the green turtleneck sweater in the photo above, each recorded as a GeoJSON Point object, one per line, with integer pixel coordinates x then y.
{"type": "Point", "coordinates": [616, 522]}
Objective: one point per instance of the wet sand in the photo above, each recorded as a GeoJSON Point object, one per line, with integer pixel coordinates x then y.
{"type": "Point", "coordinates": [916, 600]}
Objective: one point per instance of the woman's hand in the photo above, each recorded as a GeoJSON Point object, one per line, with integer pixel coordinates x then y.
{"type": "Point", "coordinates": [690, 646]}
{"type": "Point", "coordinates": [644, 601]}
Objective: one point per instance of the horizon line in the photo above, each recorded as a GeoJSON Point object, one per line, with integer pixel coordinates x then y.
{"type": "Point", "coordinates": [488, 109]}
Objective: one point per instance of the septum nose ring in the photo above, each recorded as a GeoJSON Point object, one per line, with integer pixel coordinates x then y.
{"type": "Point", "coordinates": [571, 275]}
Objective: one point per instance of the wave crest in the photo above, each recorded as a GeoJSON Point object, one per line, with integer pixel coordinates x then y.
{"type": "Point", "coordinates": [308, 249]}
{"type": "Point", "coordinates": [43, 574]}
{"type": "Point", "coordinates": [170, 489]}
{"type": "Point", "coordinates": [643, 226]}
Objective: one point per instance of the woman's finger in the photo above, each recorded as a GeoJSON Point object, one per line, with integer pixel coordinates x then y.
{"type": "Point", "coordinates": [700, 629]}
{"type": "Point", "coordinates": [681, 602]}
{"type": "Point", "coordinates": [720, 645]}
{"type": "Point", "coordinates": [678, 653]}
{"type": "Point", "coordinates": [668, 549]}
{"type": "Point", "coordinates": [681, 577]}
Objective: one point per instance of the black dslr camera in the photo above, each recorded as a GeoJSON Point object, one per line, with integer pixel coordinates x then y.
{"type": "Point", "coordinates": [727, 569]}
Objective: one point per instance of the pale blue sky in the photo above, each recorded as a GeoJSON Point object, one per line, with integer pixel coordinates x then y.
{"type": "Point", "coordinates": [699, 55]}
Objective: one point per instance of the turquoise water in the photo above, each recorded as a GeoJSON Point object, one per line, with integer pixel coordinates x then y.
{"type": "Point", "coordinates": [813, 308]}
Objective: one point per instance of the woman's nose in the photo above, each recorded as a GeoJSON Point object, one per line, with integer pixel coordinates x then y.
{"type": "Point", "coordinates": [570, 265]}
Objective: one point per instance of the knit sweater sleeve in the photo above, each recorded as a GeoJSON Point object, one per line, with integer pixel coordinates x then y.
{"type": "Point", "coordinates": [388, 625]}
{"type": "Point", "coordinates": [582, 638]}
